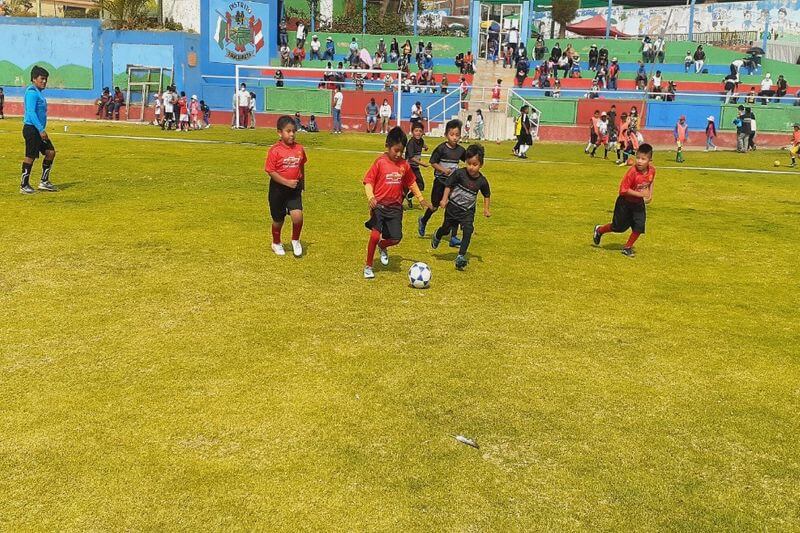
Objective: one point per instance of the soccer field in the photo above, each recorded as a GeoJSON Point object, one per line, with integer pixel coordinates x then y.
{"type": "Point", "coordinates": [161, 369]}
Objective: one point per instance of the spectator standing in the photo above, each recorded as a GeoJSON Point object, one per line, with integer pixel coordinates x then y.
{"type": "Point", "coordinates": [751, 140]}
{"type": "Point", "coordinates": [479, 125]}
{"type": "Point", "coordinates": [394, 51]}
{"type": "Point", "coordinates": [736, 66]}
{"type": "Point", "coordinates": [539, 49]}
{"type": "Point", "coordinates": [2, 103]}
{"type": "Point", "coordinates": [338, 99]}
{"type": "Point", "coordinates": [243, 105]}
{"type": "Point", "coordinates": [711, 132]}
{"type": "Point", "coordinates": [766, 89]}
{"type": "Point", "coordinates": [555, 53]}
{"type": "Point", "coordinates": [315, 48]}
{"type": "Point", "coordinates": [593, 57]}
{"type": "Point", "coordinates": [741, 135]}
{"type": "Point", "coordinates": [613, 74]}
{"type": "Point", "coordinates": [251, 115]}
{"type": "Point", "coordinates": [330, 50]}
{"type": "Point", "coordinates": [512, 38]}
{"type": "Point", "coordinates": [157, 111]}
{"type": "Point", "coordinates": [385, 112]}
{"type": "Point", "coordinates": [699, 59]}
{"type": "Point", "coordinates": [659, 47]}
{"type": "Point", "coordinates": [371, 111]}
{"type": "Point", "coordinates": [300, 34]}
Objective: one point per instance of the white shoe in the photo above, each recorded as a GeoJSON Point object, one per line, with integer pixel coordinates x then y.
{"type": "Point", "coordinates": [278, 249]}
{"type": "Point", "coordinates": [384, 256]}
{"type": "Point", "coordinates": [297, 248]}
{"type": "Point", "coordinates": [368, 273]}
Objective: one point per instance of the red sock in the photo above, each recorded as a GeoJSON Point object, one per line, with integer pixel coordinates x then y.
{"type": "Point", "coordinates": [297, 227]}
{"type": "Point", "coordinates": [632, 239]}
{"type": "Point", "coordinates": [385, 243]}
{"type": "Point", "coordinates": [604, 229]}
{"type": "Point", "coordinates": [374, 237]}
{"type": "Point", "coordinates": [276, 233]}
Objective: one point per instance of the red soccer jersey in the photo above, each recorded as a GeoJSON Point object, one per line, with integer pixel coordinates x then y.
{"type": "Point", "coordinates": [496, 92]}
{"type": "Point", "coordinates": [796, 137]}
{"type": "Point", "coordinates": [388, 179]}
{"type": "Point", "coordinates": [288, 161]}
{"type": "Point", "coordinates": [636, 181]}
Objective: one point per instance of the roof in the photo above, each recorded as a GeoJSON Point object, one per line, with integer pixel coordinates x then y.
{"type": "Point", "coordinates": [593, 27]}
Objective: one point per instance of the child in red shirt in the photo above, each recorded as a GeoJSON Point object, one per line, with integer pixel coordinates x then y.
{"type": "Point", "coordinates": [635, 190]}
{"type": "Point", "coordinates": [384, 184]}
{"type": "Point", "coordinates": [285, 165]}
{"type": "Point", "coordinates": [795, 145]}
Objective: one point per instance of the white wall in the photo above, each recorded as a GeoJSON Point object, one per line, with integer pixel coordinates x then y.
{"type": "Point", "coordinates": [187, 12]}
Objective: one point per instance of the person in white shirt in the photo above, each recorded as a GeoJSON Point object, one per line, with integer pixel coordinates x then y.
{"type": "Point", "coordinates": [766, 89]}
{"type": "Point", "coordinates": [300, 35]}
{"type": "Point", "coordinates": [655, 84]}
{"type": "Point", "coordinates": [385, 112]}
{"type": "Point", "coordinates": [243, 102]}
{"type": "Point", "coordinates": [736, 66]}
{"type": "Point", "coordinates": [157, 110]}
{"type": "Point", "coordinates": [169, 110]}
{"type": "Point", "coordinates": [512, 38]}
{"type": "Point", "coordinates": [338, 99]}
{"type": "Point", "coordinates": [315, 47]}
{"type": "Point", "coordinates": [252, 111]}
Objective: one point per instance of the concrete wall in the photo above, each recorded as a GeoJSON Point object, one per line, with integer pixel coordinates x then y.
{"type": "Point", "coordinates": [187, 12]}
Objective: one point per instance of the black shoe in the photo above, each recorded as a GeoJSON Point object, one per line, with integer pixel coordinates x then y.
{"type": "Point", "coordinates": [628, 252]}
{"type": "Point", "coordinates": [47, 186]}
{"type": "Point", "coordinates": [461, 262]}
{"type": "Point", "coordinates": [26, 189]}
{"type": "Point", "coordinates": [597, 235]}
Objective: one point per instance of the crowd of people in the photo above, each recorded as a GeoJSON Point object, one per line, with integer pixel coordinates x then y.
{"type": "Point", "coordinates": [110, 104]}
{"type": "Point", "coordinates": [612, 132]}
{"type": "Point", "coordinates": [174, 111]}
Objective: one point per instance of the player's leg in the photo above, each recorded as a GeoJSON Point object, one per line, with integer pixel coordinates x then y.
{"type": "Point", "coordinates": [374, 237]}
{"type": "Point", "coordinates": [446, 228]}
{"type": "Point", "coordinates": [437, 192]}
{"type": "Point", "coordinates": [277, 211]}
{"type": "Point", "coordinates": [637, 219]}
{"type": "Point", "coordinates": [392, 231]}
{"type": "Point", "coordinates": [47, 164]}
{"type": "Point", "coordinates": [467, 228]}
{"type": "Point", "coordinates": [33, 148]}
{"type": "Point", "coordinates": [295, 207]}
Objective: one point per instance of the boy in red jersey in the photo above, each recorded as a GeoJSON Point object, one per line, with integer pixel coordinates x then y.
{"type": "Point", "coordinates": [285, 165]}
{"type": "Point", "coordinates": [384, 183]}
{"type": "Point", "coordinates": [635, 190]}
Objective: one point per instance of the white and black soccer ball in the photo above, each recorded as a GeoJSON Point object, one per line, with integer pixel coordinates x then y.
{"type": "Point", "coordinates": [419, 275]}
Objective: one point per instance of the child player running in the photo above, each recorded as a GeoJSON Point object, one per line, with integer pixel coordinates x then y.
{"type": "Point", "coordinates": [414, 148]}
{"type": "Point", "coordinates": [635, 190]}
{"type": "Point", "coordinates": [383, 184]}
{"type": "Point", "coordinates": [285, 165]}
{"type": "Point", "coordinates": [795, 144]}
{"type": "Point", "coordinates": [444, 160]}
{"type": "Point", "coordinates": [459, 200]}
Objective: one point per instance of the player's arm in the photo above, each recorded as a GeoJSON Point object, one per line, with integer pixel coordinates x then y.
{"type": "Point", "coordinates": [373, 202]}
{"type": "Point", "coordinates": [440, 169]}
{"type": "Point", "coordinates": [649, 194]}
{"type": "Point", "coordinates": [445, 197]}
{"type": "Point", "coordinates": [418, 195]}
{"type": "Point", "coordinates": [487, 199]}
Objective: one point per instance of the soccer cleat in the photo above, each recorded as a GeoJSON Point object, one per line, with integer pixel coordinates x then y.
{"type": "Point", "coordinates": [434, 241]}
{"type": "Point", "coordinates": [278, 249]}
{"type": "Point", "coordinates": [368, 273]}
{"type": "Point", "coordinates": [384, 256]}
{"type": "Point", "coordinates": [461, 262]}
{"type": "Point", "coordinates": [47, 186]}
{"type": "Point", "coordinates": [597, 235]}
{"type": "Point", "coordinates": [628, 252]}
{"type": "Point", "coordinates": [421, 227]}
{"type": "Point", "coordinates": [455, 242]}
{"type": "Point", "coordinates": [26, 189]}
{"type": "Point", "coordinates": [297, 248]}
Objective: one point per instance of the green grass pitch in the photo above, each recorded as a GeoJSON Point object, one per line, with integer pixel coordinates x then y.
{"type": "Point", "coordinates": [161, 369]}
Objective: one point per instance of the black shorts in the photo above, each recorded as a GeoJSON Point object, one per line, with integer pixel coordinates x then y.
{"type": "Point", "coordinates": [34, 144]}
{"type": "Point", "coordinates": [420, 180]}
{"type": "Point", "coordinates": [628, 215]}
{"type": "Point", "coordinates": [388, 220]}
{"type": "Point", "coordinates": [437, 192]}
{"type": "Point", "coordinates": [455, 217]}
{"type": "Point", "coordinates": [593, 137]}
{"type": "Point", "coordinates": [283, 199]}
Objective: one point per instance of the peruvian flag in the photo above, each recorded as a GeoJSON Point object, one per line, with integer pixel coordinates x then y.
{"type": "Point", "coordinates": [255, 31]}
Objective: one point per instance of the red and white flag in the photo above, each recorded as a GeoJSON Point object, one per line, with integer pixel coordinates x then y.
{"type": "Point", "coordinates": [255, 31]}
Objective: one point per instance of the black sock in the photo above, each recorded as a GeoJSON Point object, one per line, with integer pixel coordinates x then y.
{"type": "Point", "coordinates": [465, 238]}
{"type": "Point", "coordinates": [594, 150]}
{"type": "Point", "coordinates": [427, 216]}
{"type": "Point", "coordinates": [26, 174]}
{"type": "Point", "coordinates": [441, 232]}
{"type": "Point", "coordinates": [619, 154]}
{"type": "Point", "coordinates": [454, 232]}
{"type": "Point", "coordinates": [46, 166]}
{"type": "Point", "coordinates": [605, 154]}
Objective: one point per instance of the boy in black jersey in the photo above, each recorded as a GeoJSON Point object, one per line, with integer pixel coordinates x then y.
{"type": "Point", "coordinates": [459, 201]}
{"type": "Point", "coordinates": [444, 160]}
{"type": "Point", "coordinates": [414, 148]}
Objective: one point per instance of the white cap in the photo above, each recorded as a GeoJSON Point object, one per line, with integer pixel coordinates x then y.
{"type": "Point", "coordinates": [194, 97]}
{"type": "Point", "coordinates": [710, 118]}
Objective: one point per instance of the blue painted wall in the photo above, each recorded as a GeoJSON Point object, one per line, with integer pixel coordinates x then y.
{"type": "Point", "coordinates": [101, 51]}
{"type": "Point", "coordinates": [666, 114]}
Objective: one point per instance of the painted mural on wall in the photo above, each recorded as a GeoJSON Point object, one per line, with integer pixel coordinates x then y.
{"type": "Point", "coordinates": [238, 32]}
{"type": "Point", "coordinates": [66, 52]}
{"type": "Point", "coordinates": [146, 55]}
{"type": "Point", "coordinates": [783, 16]}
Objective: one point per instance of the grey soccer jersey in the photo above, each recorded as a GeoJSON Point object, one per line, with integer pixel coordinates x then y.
{"type": "Point", "coordinates": [464, 190]}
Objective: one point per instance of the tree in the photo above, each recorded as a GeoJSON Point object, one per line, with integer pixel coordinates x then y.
{"type": "Point", "coordinates": [125, 14]}
{"type": "Point", "coordinates": [564, 12]}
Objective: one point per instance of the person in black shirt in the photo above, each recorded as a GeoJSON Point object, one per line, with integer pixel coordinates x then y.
{"type": "Point", "coordinates": [459, 200]}
{"type": "Point", "coordinates": [414, 149]}
{"type": "Point", "coordinates": [444, 160]}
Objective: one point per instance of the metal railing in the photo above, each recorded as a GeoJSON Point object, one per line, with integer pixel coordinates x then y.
{"type": "Point", "coordinates": [535, 119]}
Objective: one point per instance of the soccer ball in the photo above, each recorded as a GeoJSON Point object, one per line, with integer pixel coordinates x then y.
{"type": "Point", "coordinates": [777, 163]}
{"type": "Point", "coordinates": [419, 275]}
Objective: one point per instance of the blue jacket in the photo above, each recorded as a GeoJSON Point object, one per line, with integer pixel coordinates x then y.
{"type": "Point", "coordinates": [35, 108]}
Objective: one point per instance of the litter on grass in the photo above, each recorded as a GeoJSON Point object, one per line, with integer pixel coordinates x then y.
{"type": "Point", "coordinates": [466, 440]}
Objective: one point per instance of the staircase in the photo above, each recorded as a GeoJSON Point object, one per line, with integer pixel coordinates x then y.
{"type": "Point", "coordinates": [498, 126]}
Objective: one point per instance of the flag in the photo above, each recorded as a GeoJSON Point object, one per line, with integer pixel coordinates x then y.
{"type": "Point", "coordinates": [258, 37]}
{"type": "Point", "coordinates": [221, 33]}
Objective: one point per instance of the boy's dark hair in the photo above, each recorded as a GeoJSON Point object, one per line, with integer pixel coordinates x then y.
{"type": "Point", "coordinates": [454, 124]}
{"type": "Point", "coordinates": [37, 71]}
{"type": "Point", "coordinates": [396, 136]}
{"type": "Point", "coordinates": [645, 149]}
{"type": "Point", "coordinates": [474, 150]}
{"type": "Point", "coordinates": [284, 121]}
{"type": "Point", "coordinates": [417, 125]}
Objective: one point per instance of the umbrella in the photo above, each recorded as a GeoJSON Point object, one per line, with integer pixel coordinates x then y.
{"type": "Point", "coordinates": [365, 57]}
{"type": "Point", "coordinates": [755, 50]}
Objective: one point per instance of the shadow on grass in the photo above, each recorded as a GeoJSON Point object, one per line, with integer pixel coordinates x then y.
{"type": "Point", "coordinates": [68, 185]}
{"type": "Point", "coordinates": [451, 257]}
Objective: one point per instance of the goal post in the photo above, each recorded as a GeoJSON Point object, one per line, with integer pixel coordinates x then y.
{"type": "Point", "coordinates": [316, 79]}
